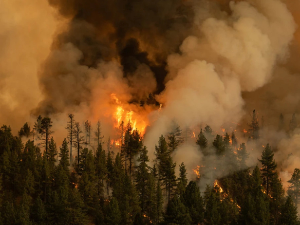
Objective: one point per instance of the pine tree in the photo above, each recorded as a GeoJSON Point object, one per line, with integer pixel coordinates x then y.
{"type": "Point", "coordinates": [254, 127]}
{"type": "Point", "coordinates": [45, 131]}
{"type": "Point", "coordinates": [255, 208]}
{"type": "Point", "coordinates": [202, 142]}
{"type": "Point", "coordinates": [51, 154]}
{"type": "Point", "coordinates": [177, 213]}
{"type": "Point", "coordinates": [24, 211]}
{"type": "Point", "coordinates": [71, 136]}
{"type": "Point", "coordinates": [64, 156]}
{"type": "Point", "coordinates": [87, 128]}
{"type": "Point", "coordinates": [101, 170]}
{"type": "Point", "coordinates": [110, 170]}
{"type": "Point", "coordinates": [174, 139]}
{"type": "Point", "coordinates": [194, 202]}
{"type": "Point", "coordinates": [213, 204]}
{"type": "Point", "coordinates": [162, 155]}
{"type": "Point", "coordinates": [289, 214]}
{"type": "Point", "coordinates": [182, 180]}
{"type": "Point", "coordinates": [169, 177]}
{"type": "Point", "coordinates": [98, 135]}
{"type": "Point", "coordinates": [234, 140]}
{"type": "Point", "coordinates": [38, 212]}
{"type": "Point", "coordinates": [113, 214]}
{"type": "Point", "coordinates": [78, 140]}
{"type": "Point", "coordinates": [219, 145]}
{"type": "Point", "coordinates": [268, 167]}
{"type": "Point", "coordinates": [242, 156]}
{"type": "Point", "coordinates": [294, 188]}
{"type": "Point", "coordinates": [276, 198]}
{"type": "Point", "coordinates": [29, 183]}
{"type": "Point", "coordinates": [142, 179]}
{"type": "Point", "coordinates": [25, 131]}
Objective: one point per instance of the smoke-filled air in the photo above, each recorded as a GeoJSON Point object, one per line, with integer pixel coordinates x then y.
{"type": "Point", "coordinates": [213, 83]}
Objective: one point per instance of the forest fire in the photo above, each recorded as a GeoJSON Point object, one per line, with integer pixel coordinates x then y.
{"type": "Point", "coordinates": [216, 184]}
{"type": "Point", "coordinates": [197, 171]}
{"type": "Point", "coordinates": [125, 115]}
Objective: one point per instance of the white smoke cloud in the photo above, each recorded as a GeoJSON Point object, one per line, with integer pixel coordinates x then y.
{"type": "Point", "coordinates": [231, 54]}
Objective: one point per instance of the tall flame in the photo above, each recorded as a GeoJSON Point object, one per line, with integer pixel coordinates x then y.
{"type": "Point", "coordinates": [197, 171]}
{"type": "Point", "coordinates": [124, 114]}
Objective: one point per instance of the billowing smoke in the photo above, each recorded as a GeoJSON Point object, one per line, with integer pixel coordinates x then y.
{"type": "Point", "coordinates": [231, 55]}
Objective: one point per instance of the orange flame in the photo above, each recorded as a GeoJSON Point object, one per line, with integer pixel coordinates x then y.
{"type": "Point", "coordinates": [122, 113]}
{"type": "Point", "coordinates": [197, 171]}
{"type": "Point", "coordinates": [216, 184]}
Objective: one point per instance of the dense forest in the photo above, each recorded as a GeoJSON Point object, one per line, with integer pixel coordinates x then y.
{"type": "Point", "coordinates": [41, 185]}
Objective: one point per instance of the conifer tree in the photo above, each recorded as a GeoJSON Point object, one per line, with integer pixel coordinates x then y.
{"type": "Point", "coordinates": [101, 169]}
{"type": "Point", "coordinates": [51, 154]}
{"type": "Point", "coordinates": [182, 180]}
{"type": "Point", "coordinates": [268, 167]}
{"type": "Point", "coordinates": [254, 126]}
{"type": "Point", "coordinates": [242, 156]}
{"type": "Point", "coordinates": [289, 214]}
{"type": "Point", "coordinates": [87, 128]}
{"type": "Point", "coordinates": [25, 131]}
{"type": "Point", "coordinates": [202, 142]}
{"type": "Point", "coordinates": [110, 169]}
{"type": "Point", "coordinates": [142, 179]}
{"type": "Point", "coordinates": [194, 202]}
{"type": "Point", "coordinates": [294, 188]}
{"type": "Point", "coordinates": [219, 145]}
{"type": "Point", "coordinates": [78, 140]}
{"type": "Point", "coordinates": [38, 212]}
{"type": "Point", "coordinates": [174, 139]}
{"type": "Point", "coordinates": [64, 156]}
{"type": "Point", "coordinates": [177, 213]}
{"type": "Point", "coordinates": [158, 213]}
{"type": "Point", "coordinates": [213, 205]}
{"type": "Point", "coordinates": [45, 132]}
{"type": "Point", "coordinates": [113, 214]}
{"type": "Point", "coordinates": [71, 135]}
{"type": "Point", "coordinates": [98, 134]}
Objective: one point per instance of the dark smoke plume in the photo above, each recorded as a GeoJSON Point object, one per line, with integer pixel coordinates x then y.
{"type": "Point", "coordinates": [132, 32]}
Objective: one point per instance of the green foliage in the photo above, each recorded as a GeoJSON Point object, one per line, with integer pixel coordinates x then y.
{"type": "Point", "coordinates": [25, 131]}
{"type": "Point", "coordinates": [202, 142]}
{"type": "Point", "coordinates": [268, 167]}
{"type": "Point", "coordinates": [177, 213]}
{"type": "Point", "coordinates": [289, 215]}
{"type": "Point", "coordinates": [36, 189]}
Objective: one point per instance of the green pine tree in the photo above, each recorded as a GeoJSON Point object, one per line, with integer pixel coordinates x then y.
{"type": "Point", "coordinates": [268, 167]}
{"type": "Point", "coordinates": [289, 214]}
